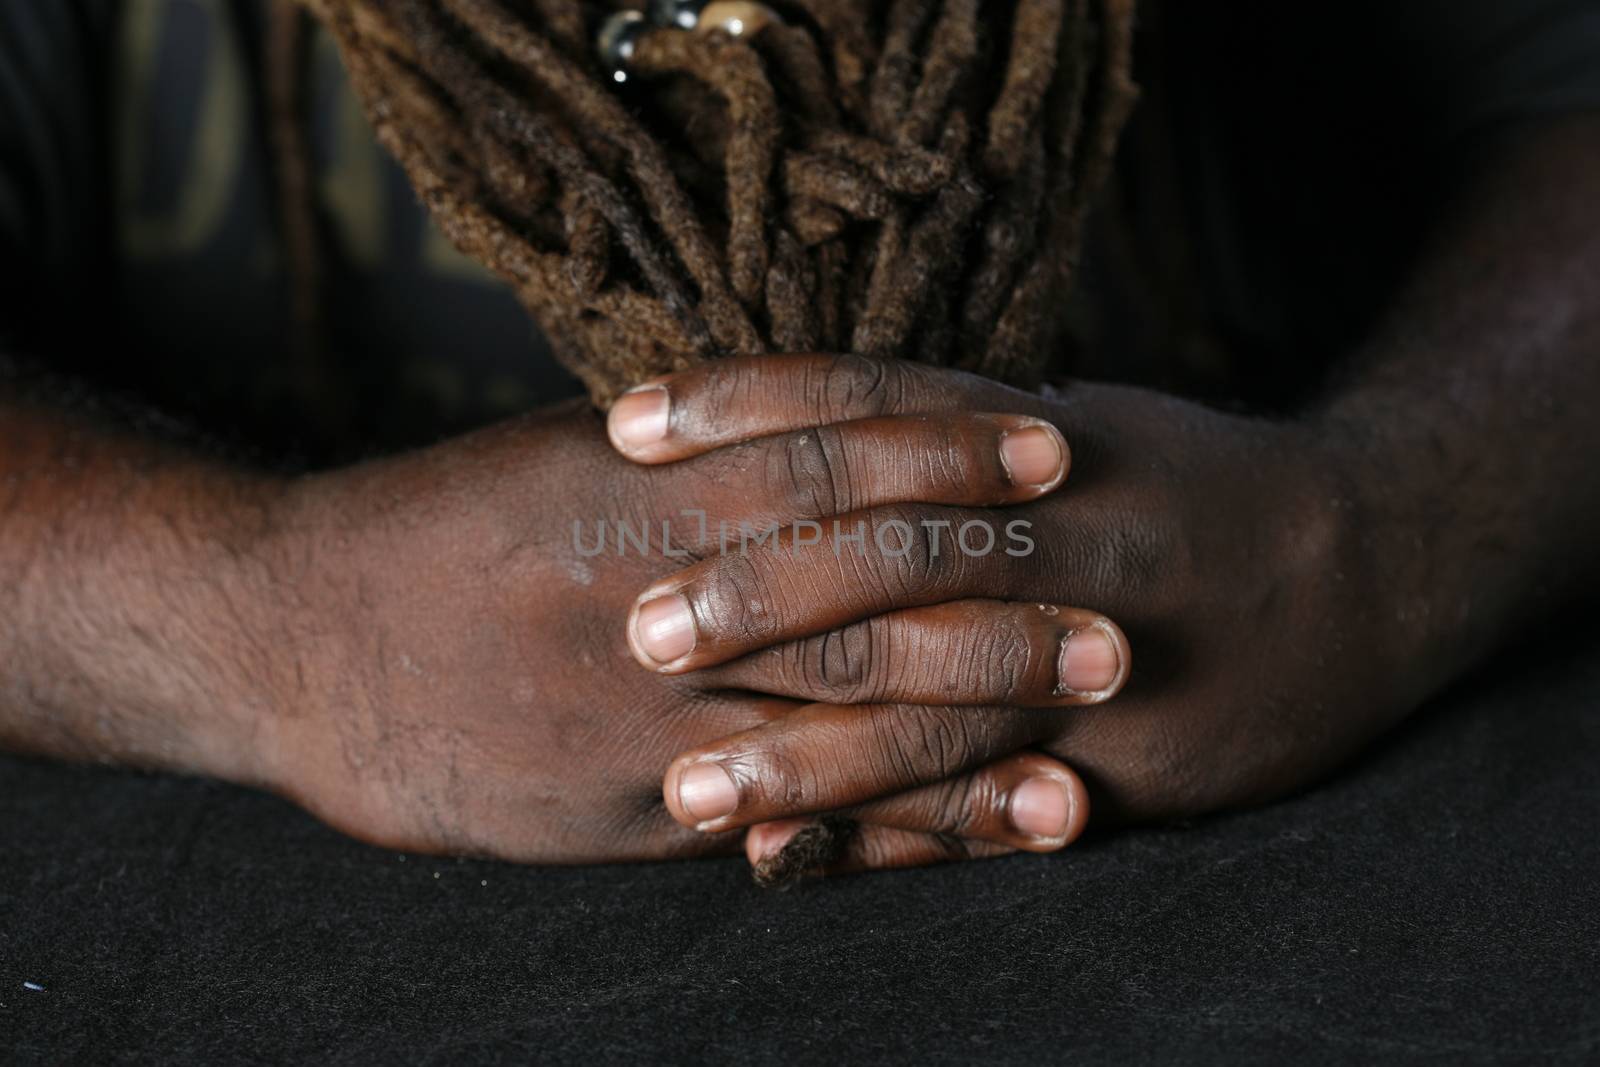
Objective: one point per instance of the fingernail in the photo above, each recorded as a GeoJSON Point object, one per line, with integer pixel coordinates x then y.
{"type": "Point", "coordinates": [707, 792]}
{"type": "Point", "coordinates": [1032, 456]}
{"type": "Point", "coordinates": [665, 628]}
{"type": "Point", "coordinates": [639, 418]}
{"type": "Point", "coordinates": [1040, 807]}
{"type": "Point", "coordinates": [1089, 662]}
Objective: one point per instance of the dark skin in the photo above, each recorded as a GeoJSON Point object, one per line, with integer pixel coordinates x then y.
{"type": "Point", "coordinates": [1294, 588]}
{"type": "Point", "coordinates": [413, 649]}
{"type": "Point", "coordinates": [408, 648]}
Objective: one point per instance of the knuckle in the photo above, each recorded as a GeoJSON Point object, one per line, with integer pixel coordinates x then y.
{"type": "Point", "coordinates": [855, 387]}
{"type": "Point", "coordinates": [895, 753]}
{"type": "Point", "coordinates": [1001, 660]}
{"type": "Point", "coordinates": [921, 743]}
{"type": "Point", "coordinates": [794, 668]}
{"type": "Point", "coordinates": [1120, 558]}
{"type": "Point", "coordinates": [842, 663]}
{"type": "Point", "coordinates": [734, 594]}
{"type": "Point", "coordinates": [916, 556]}
{"type": "Point", "coordinates": [1140, 553]}
{"type": "Point", "coordinates": [811, 471]}
{"type": "Point", "coordinates": [723, 391]}
{"type": "Point", "coordinates": [963, 805]}
{"type": "Point", "coordinates": [951, 466]}
{"type": "Point", "coordinates": [784, 779]}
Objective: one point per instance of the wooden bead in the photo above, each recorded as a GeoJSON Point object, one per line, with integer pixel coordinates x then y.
{"type": "Point", "coordinates": [736, 18]}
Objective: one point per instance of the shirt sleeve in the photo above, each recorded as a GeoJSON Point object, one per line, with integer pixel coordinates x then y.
{"type": "Point", "coordinates": [53, 208]}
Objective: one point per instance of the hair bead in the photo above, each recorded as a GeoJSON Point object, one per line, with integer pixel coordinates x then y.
{"type": "Point", "coordinates": [737, 18]}
{"type": "Point", "coordinates": [617, 39]}
{"type": "Point", "coordinates": [676, 14]}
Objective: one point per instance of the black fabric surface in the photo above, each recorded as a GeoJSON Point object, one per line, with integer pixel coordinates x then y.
{"type": "Point", "coordinates": [1438, 902]}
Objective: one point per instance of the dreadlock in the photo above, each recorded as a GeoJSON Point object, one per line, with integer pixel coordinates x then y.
{"type": "Point", "coordinates": [898, 178]}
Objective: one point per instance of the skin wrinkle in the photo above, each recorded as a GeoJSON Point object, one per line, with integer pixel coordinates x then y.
{"type": "Point", "coordinates": [755, 771]}
{"type": "Point", "coordinates": [956, 808]}
{"type": "Point", "coordinates": [1244, 719]}
{"type": "Point", "coordinates": [960, 652]}
{"type": "Point", "coordinates": [930, 735]}
{"type": "Point", "coordinates": [851, 584]}
{"type": "Point", "coordinates": [952, 466]}
{"type": "Point", "coordinates": [850, 383]}
{"type": "Point", "coordinates": [816, 473]}
{"type": "Point", "coordinates": [834, 460]}
{"type": "Point", "coordinates": [920, 572]}
{"type": "Point", "coordinates": [883, 638]}
{"type": "Point", "coordinates": [738, 599]}
{"type": "Point", "coordinates": [559, 181]}
{"type": "Point", "coordinates": [1013, 659]}
{"type": "Point", "coordinates": [895, 579]}
{"type": "Point", "coordinates": [972, 664]}
{"type": "Point", "coordinates": [835, 666]}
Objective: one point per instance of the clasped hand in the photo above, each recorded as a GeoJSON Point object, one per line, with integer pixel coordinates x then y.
{"type": "Point", "coordinates": [951, 641]}
{"type": "Point", "coordinates": [982, 613]}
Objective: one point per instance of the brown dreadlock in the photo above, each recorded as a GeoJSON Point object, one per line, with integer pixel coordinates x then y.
{"type": "Point", "coordinates": [898, 178]}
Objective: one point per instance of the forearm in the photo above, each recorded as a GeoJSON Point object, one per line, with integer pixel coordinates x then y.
{"type": "Point", "coordinates": [132, 588]}
{"type": "Point", "coordinates": [1469, 428]}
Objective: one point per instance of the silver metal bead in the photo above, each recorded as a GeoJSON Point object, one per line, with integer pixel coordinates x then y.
{"type": "Point", "coordinates": [618, 36]}
{"type": "Point", "coordinates": [676, 14]}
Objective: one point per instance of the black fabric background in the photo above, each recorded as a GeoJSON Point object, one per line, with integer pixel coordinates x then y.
{"type": "Point", "coordinates": [1436, 903]}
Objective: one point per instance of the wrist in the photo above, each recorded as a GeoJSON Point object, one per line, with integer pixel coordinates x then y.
{"type": "Point", "coordinates": [249, 656]}
{"type": "Point", "coordinates": [142, 631]}
{"type": "Point", "coordinates": [213, 607]}
{"type": "Point", "coordinates": [1411, 535]}
{"type": "Point", "coordinates": [306, 576]}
